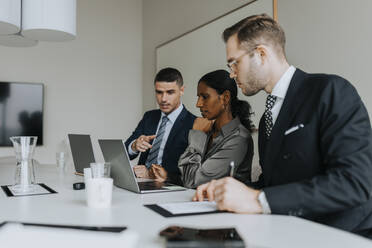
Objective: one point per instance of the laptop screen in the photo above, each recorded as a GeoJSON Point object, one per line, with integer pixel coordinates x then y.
{"type": "Point", "coordinates": [81, 150]}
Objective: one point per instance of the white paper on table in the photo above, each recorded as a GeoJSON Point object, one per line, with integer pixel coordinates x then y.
{"type": "Point", "coordinates": [189, 207]}
{"type": "Point", "coordinates": [36, 190]}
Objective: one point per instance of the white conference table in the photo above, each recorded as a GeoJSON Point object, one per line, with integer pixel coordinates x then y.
{"type": "Point", "coordinates": [69, 207]}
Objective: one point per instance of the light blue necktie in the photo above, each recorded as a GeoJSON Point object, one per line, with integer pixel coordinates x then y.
{"type": "Point", "coordinates": [152, 158]}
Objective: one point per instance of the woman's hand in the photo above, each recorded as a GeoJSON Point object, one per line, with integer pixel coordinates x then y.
{"type": "Point", "coordinates": [202, 124]}
{"type": "Point", "coordinates": [160, 174]}
{"type": "Point", "coordinates": [141, 171]}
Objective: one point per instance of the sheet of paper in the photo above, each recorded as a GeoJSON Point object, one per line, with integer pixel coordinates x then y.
{"type": "Point", "coordinates": [189, 207]}
{"type": "Point", "coordinates": [36, 190]}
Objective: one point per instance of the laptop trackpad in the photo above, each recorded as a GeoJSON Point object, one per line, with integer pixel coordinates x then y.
{"type": "Point", "coordinates": [144, 180]}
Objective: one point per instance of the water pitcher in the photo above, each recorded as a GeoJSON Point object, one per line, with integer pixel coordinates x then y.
{"type": "Point", "coordinates": [24, 147]}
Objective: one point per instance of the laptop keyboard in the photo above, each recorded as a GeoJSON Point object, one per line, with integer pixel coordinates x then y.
{"type": "Point", "coordinates": [151, 186]}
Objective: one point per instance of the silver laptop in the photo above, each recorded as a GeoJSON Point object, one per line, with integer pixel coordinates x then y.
{"type": "Point", "coordinates": [81, 151]}
{"type": "Point", "coordinates": [114, 152]}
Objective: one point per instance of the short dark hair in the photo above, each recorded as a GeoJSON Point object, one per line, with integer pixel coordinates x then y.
{"type": "Point", "coordinates": [257, 29]}
{"type": "Point", "coordinates": [169, 75]}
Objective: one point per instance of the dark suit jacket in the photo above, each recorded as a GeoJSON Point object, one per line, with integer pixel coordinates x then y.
{"type": "Point", "coordinates": [323, 171]}
{"type": "Point", "coordinates": [175, 145]}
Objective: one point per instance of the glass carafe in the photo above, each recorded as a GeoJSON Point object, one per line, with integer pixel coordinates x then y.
{"type": "Point", "coordinates": [24, 147]}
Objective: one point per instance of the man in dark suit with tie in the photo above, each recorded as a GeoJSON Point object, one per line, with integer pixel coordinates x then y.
{"type": "Point", "coordinates": [315, 142]}
{"type": "Point", "coordinates": [161, 136]}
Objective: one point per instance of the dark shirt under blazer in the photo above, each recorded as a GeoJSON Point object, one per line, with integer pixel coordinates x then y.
{"type": "Point", "coordinates": [323, 170]}
{"type": "Point", "coordinates": [175, 144]}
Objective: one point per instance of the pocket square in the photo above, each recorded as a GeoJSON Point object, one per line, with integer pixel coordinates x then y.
{"type": "Point", "coordinates": [293, 129]}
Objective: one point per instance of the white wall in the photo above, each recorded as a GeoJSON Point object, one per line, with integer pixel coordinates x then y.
{"type": "Point", "coordinates": [93, 84]}
{"type": "Point", "coordinates": [195, 54]}
{"type": "Point", "coordinates": [332, 36]}
{"type": "Point", "coordinates": [164, 20]}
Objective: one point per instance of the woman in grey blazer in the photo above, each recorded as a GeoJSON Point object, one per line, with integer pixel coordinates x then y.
{"type": "Point", "coordinates": [222, 136]}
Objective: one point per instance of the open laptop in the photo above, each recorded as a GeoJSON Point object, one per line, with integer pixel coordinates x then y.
{"type": "Point", "coordinates": [81, 151]}
{"type": "Point", "coordinates": [114, 152]}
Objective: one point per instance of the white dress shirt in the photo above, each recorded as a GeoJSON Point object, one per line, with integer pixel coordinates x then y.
{"type": "Point", "coordinates": [172, 117]}
{"type": "Point", "coordinates": [280, 91]}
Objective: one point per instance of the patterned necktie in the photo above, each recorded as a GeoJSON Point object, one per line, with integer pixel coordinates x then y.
{"type": "Point", "coordinates": [152, 158]}
{"type": "Point", "coordinates": [270, 101]}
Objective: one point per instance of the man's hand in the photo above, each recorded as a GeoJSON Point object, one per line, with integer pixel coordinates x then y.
{"type": "Point", "coordinates": [202, 124]}
{"type": "Point", "coordinates": [141, 171]}
{"type": "Point", "coordinates": [230, 195]}
{"type": "Point", "coordinates": [142, 143]}
{"type": "Point", "coordinates": [159, 172]}
{"type": "Point", "coordinates": [205, 192]}
{"type": "Point", "coordinates": [234, 196]}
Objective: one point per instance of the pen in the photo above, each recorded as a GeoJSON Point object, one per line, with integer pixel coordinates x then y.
{"type": "Point", "coordinates": [291, 130]}
{"type": "Point", "coordinates": [232, 165]}
{"type": "Point", "coordinates": [89, 228]}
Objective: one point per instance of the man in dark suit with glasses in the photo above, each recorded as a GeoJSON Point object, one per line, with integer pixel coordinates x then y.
{"type": "Point", "coordinates": [315, 144]}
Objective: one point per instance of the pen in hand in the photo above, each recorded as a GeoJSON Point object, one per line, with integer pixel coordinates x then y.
{"type": "Point", "coordinates": [232, 166]}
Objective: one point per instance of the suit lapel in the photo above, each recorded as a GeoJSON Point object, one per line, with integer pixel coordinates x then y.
{"type": "Point", "coordinates": [261, 140]}
{"type": "Point", "coordinates": [150, 130]}
{"type": "Point", "coordinates": [292, 102]}
{"type": "Point", "coordinates": [154, 123]}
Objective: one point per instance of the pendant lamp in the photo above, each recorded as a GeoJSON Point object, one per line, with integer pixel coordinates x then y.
{"type": "Point", "coordinates": [49, 20]}
{"type": "Point", "coordinates": [10, 16]}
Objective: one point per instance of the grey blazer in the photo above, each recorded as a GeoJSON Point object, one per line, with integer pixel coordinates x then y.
{"type": "Point", "coordinates": [233, 143]}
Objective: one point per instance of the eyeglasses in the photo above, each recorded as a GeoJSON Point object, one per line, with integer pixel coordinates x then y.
{"type": "Point", "coordinates": [232, 65]}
